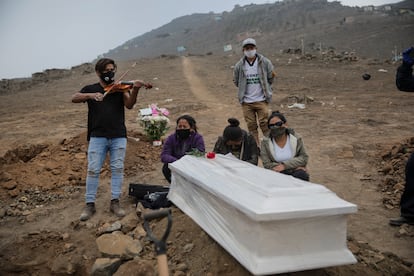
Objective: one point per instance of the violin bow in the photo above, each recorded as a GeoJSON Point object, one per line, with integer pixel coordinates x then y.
{"type": "Point", "coordinates": [120, 78]}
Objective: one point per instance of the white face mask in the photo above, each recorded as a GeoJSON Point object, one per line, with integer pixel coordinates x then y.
{"type": "Point", "coordinates": [250, 53]}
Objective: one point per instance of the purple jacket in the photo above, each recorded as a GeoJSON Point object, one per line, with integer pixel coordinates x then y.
{"type": "Point", "coordinates": [175, 148]}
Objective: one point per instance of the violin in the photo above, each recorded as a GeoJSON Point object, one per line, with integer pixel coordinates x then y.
{"type": "Point", "coordinates": [123, 86]}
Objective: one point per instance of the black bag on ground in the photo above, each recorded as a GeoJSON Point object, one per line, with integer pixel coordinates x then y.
{"type": "Point", "coordinates": [150, 196]}
{"type": "Point", "coordinates": [156, 200]}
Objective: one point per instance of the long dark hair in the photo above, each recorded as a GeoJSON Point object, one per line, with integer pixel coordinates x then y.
{"type": "Point", "coordinates": [190, 121]}
{"type": "Point", "coordinates": [232, 132]}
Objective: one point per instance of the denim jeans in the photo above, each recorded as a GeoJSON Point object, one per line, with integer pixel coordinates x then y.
{"type": "Point", "coordinates": [97, 150]}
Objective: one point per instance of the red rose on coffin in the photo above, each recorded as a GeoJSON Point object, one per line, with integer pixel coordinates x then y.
{"type": "Point", "coordinates": [211, 155]}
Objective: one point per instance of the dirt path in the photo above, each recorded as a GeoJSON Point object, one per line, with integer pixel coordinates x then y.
{"type": "Point", "coordinates": [213, 119]}
{"type": "Point", "coordinates": [196, 85]}
{"type": "Point", "coordinates": [218, 93]}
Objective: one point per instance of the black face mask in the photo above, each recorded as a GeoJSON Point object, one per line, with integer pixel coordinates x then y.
{"type": "Point", "coordinates": [235, 147]}
{"type": "Point", "coordinates": [108, 77]}
{"type": "Point", "coordinates": [277, 132]}
{"type": "Point", "coordinates": [183, 133]}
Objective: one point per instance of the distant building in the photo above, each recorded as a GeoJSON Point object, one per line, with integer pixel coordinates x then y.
{"type": "Point", "coordinates": [227, 48]}
{"type": "Point", "coordinates": [368, 8]}
{"type": "Point", "coordinates": [349, 19]}
{"type": "Point", "coordinates": [181, 49]}
{"type": "Point", "coordinates": [387, 8]}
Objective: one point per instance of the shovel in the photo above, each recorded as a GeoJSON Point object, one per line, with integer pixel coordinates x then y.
{"type": "Point", "coordinates": [159, 244]}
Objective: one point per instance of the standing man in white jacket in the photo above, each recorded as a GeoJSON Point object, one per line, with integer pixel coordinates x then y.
{"type": "Point", "coordinates": [253, 75]}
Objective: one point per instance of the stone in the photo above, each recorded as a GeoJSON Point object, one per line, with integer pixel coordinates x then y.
{"type": "Point", "coordinates": [65, 265]}
{"type": "Point", "coordinates": [105, 266]}
{"type": "Point", "coordinates": [139, 233]}
{"type": "Point", "coordinates": [129, 222]}
{"type": "Point", "coordinates": [14, 193]}
{"type": "Point", "coordinates": [136, 267]}
{"type": "Point", "coordinates": [118, 246]}
{"type": "Point", "coordinates": [9, 185]}
{"type": "Point", "coordinates": [5, 176]}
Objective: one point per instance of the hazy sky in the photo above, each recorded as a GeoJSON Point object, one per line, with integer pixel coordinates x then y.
{"type": "Point", "coordinates": [43, 34]}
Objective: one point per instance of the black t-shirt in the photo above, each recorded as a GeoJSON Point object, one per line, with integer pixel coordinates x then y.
{"type": "Point", "coordinates": [105, 118]}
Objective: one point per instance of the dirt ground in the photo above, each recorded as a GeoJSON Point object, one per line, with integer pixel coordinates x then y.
{"type": "Point", "coordinates": [358, 135]}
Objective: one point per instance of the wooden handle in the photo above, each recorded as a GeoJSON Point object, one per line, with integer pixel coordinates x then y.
{"type": "Point", "coordinates": [162, 265]}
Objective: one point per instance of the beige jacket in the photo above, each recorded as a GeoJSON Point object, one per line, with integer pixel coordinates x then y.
{"type": "Point", "coordinates": [268, 152]}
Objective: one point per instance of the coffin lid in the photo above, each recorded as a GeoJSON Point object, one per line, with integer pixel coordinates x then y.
{"type": "Point", "coordinates": [260, 193]}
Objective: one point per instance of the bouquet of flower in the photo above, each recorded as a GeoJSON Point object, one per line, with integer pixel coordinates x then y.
{"type": "Point", "coordinates": [154, 122]}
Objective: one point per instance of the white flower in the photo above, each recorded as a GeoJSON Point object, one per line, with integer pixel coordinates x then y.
{"type": "Point", "coordinates": [154, 125]}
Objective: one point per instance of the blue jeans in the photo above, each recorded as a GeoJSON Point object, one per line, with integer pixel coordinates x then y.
{"type": "Point", "coordinates": [97, 150]}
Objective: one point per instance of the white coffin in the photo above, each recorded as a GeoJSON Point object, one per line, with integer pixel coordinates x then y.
{"type": "Point", "coordinates": [270, 222]}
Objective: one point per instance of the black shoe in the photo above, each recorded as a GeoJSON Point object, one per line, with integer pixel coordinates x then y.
{"type": "Point", "coordinates": [401, 220]}
{"type": "Point", "coordinates": [88, 211]}
{"type": "Point", "coordinates": [116, 208]}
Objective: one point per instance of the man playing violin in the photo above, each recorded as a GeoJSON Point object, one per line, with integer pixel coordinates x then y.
{"type": "Point", "coordinates": [106, 131]}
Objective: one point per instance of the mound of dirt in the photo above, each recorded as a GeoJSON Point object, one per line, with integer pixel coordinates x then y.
{"type": "Point", "coordinates": [63, 166]}
{"type": "Point", "coordinates": [393, 168]}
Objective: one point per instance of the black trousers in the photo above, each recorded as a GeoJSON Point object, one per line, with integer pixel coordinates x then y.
{"type": "Point", "coordinates": [407, 198]}
{"type": "Point", "coordinates": [166, 172]}
{"type": "Point", "coordinates": [301, 174]}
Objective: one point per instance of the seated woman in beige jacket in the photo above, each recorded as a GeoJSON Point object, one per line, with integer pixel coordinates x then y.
{"type": "Point", "coordinates": [283, 150]}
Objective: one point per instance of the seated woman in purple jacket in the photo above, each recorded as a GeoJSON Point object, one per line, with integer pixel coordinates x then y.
{"type": "Point", "coordinates": [184, 139]}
